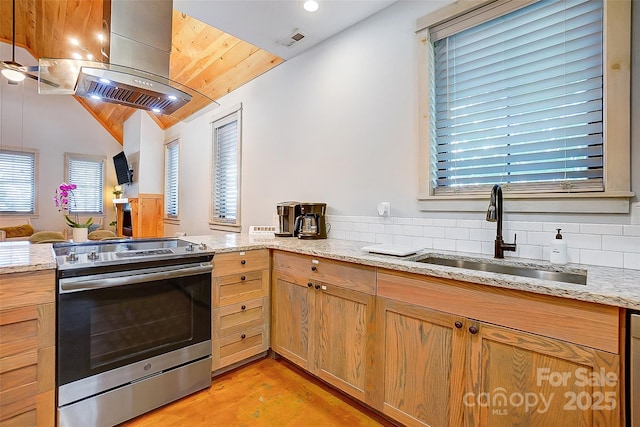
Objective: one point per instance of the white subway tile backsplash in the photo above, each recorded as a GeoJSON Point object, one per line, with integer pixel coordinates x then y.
{"type": "Point", "coordinates": [603, 258]}
{"type": "Point", "coordinates": [581, 241]}
{"type": "Point", "coordinates": [632, 260]}
{"type": "Point", "coordinates": [433, 231]}
{"type": "Point", "coordinates": [469, 223]}
{"type": "Point", "coordinates": [609, 245]}
{"type": "Point", "coordinates": [412, 230]}
{"type": "Point", "coordinates": [621, 243]}
{"type": "Point", "coordinates": [469, 246]}
{"type": "Point", "coordinates": [444, 222]}
{"type": "Point", "coordinates": [631, 230]}
{"type": "Point", "coordinates": [615, 230]}
{"type": "Point", "coordinates": [456, 233]}
{"type": "Point", "coordinates": [444, 244]}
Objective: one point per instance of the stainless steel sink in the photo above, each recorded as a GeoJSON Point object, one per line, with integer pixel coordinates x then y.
{"type": "Point", "coordinates": [557, 276]}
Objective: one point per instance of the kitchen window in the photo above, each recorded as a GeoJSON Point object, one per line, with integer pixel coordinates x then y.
{"type": "Point", "coordinates": [18, 181]}
{"type": "Point", "coordinates": [226, 162]}
{"type": "Point", "coordinates": [171, 165]}
{"type": "Point", "coordinates": [517, 96]}
{"type": "Point", "coordinates": [87, 172]}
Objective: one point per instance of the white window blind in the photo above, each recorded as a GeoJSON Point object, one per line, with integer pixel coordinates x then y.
{"type": "Point", "coordinates": [88, 175]}
{"type": "Point", "coordinates": [226, 170]}
{"type": "Point", "coordinates": [518, 101]}
{"type": "Point", "coordinates": [171, 163]}
{"type": "Point", "coordinates": [17, 181]}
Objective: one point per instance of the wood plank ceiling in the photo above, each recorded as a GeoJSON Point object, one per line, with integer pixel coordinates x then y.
{"type": "Point", "coordinates": [202, 57]}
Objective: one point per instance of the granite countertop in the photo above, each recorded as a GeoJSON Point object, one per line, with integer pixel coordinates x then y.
{"type": "Point", "coordinates": [610, 286]}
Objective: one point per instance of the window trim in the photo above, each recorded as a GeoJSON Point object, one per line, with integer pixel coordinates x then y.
{"type": "Point", "coordinates": [172, 219]}
{"type": "Point", "coordinates": [222, 118]}
{"type": "Point", "coordinates": [91, 158]}
{"type": "Point", "coordinates": [36, 181]}
{"type": "Point", "coordinates": [617, 128]}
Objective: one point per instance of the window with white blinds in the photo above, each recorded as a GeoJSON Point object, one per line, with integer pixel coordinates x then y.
{"type": "Point", "coordinates": [87, 172]}
{"type": "Point", "coordinates": [226, 170]}
{"type": "Point", "coordinates": [171, 164]}
{"type": "Point", "coordinates": [518, 100]}
{"type": "Point", "coordinates": [17, 181]}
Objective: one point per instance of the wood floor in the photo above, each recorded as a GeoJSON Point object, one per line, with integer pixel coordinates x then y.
{"type": "Point", "coordinates": [267, 392]}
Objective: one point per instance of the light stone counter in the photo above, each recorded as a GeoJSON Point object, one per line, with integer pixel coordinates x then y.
{"type": "Point", "coordinates": [17, 257]}
{"type": "Point", "coordinates": [611, 286]}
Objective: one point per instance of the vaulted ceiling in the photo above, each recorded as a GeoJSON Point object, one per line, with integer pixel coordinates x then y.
{"type": "Point", "coordinates": [202, 57]}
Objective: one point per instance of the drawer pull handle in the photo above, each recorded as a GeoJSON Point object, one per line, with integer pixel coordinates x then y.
{"type": "Point", "coordinates": [244, 307]}
{"type": "Point", "coordinates": [473, 330]}
{"type": "Point", "coordinates": [243, 336]}
{"type": "Point", "coordinates": [458, 324]}
{"type": "Point", "coordinates": [314, 268]}
{"type": "Point", "coordinates": [317, 286]}
{"type": "Point", "coordinates": [310, 284]}
{"type": "Point", "coordinates": [243, 262]}
{"type": "Point", "coordinates": [243, 278]}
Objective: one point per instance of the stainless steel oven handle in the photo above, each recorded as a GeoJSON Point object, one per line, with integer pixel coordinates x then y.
{"type": "Point", "coordinates": [97, 282]}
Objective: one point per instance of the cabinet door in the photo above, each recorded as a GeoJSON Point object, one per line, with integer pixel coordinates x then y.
{"type": "Point", "coordinates": [345, 333]}
{"type": "Point", "coordinates": [293, 319]}
{"type": "Point", "coordinates": [422, 353]}
{"type": "Point", "coordinates": [520, 378]}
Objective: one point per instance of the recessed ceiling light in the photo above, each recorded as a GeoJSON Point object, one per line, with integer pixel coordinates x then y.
{"type": "Point", "coordinates": [75, 42]}
{"type": "Point", "coordinates": [89, 57]}
{"type": "Point", "coordinates": [76, 55]}
{"type": "Point", "coordinates": [310, 5]}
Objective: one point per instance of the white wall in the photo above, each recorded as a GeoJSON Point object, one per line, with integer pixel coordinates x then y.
{"type": "Point", "coordinates": [52, 124]}
{"type": "Point", "coordinates": [143, 143]}
{"type": "Point", "coordinates": [337, 124]}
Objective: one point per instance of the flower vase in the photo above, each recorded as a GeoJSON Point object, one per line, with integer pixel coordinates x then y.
{"type": "Point", "coordinates": [80, 234]}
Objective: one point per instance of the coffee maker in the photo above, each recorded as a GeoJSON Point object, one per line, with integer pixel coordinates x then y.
{"type": "Point", "coordinates": [287, 214]}
{"type": "Point", "coordinates": [311, 223]}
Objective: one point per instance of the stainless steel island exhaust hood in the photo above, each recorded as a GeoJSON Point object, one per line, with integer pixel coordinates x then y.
{"type": "Point", "coordinates": [135, 62]}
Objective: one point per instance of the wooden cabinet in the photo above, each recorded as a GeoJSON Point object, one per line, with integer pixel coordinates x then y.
{"type": "Point", "coordinates": [147, 212]}
{"type": "Point", "coordinates": [322, 319]}
{"type": "Point", "coordinates": [445, 361]}
{"type": "Point", "coordinates": [240, 302]}
{"type": "Point", "coordinates": [27, 349]}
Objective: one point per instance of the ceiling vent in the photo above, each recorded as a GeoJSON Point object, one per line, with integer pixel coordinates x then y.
{"type": "Point", "coordinates": [293, 38]}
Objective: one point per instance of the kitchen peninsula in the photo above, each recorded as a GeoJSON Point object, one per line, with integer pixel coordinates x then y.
{"type": "Point", "coordinates": [471, 322]}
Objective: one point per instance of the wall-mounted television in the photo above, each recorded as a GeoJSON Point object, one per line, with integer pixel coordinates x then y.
{"type": "Point", "coordinates": [123, 173]}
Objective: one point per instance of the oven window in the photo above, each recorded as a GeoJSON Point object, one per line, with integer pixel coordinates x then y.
{"type": "Point", "coordinates": [123, 329]}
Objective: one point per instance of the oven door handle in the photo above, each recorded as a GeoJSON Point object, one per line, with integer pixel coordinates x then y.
{"type": "Point", "coordinates": [97, 282]}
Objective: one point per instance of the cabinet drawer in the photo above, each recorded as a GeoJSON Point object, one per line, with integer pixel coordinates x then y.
{"type": "Point", "coordinates": [239, 346]}
{"type": "Point", "coordinates": [347, 275]}
{"type": "Point", "coordinates": [238, 317]}
{"type": "Point", "coordinates": [240, 287]}
{"type": "Point", "coordinates": [238, 262]}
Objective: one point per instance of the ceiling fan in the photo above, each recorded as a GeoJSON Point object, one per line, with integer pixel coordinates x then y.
{"type": "Point", "coordinates": [13, 71]}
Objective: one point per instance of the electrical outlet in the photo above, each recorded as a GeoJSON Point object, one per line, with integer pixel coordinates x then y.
{"type": "Point", "coordinates": [384, 209]}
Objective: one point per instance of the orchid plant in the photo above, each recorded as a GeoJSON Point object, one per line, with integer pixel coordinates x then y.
{"type": "Point", "coordinates": [64, 194]}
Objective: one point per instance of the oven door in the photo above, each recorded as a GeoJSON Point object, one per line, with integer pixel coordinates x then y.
{"type": "Point", "coordinates": [108, 321]}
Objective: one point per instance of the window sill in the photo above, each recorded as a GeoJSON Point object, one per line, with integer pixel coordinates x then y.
{"type": "Point", "coordinates": [225, 227]}
{"type": "Point", "coordinates": [585, 203]}
{"type": "Point", "coordinates": [171, 221]}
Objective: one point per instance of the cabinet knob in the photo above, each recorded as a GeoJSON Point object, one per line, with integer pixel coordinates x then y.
{"type": "Point", "coordinates": [243, 336]}
{"type": "Point", "coordinates": [473, 330]}
{"type": "Point", "coordinates": [310, 284]}
{"type": "Point", "coordinates": [314, 268]}
{"type": "Point", "coordinates": [458, 324]}
{"type": "Point", "coordinates": [243, 278]}
{"type": "Point", "coordinates": [243, 262]}
{"type": "Point", "coordinates": [244, 307]}
{"type": "Point", "coordinates": [317, 286]}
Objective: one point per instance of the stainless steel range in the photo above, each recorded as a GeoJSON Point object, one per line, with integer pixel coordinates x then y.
{"type": "Point", "coordinates": [133, 327]}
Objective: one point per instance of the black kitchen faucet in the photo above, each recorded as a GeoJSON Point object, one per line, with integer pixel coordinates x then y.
{"type": "Point", "coordinates": [494, 214]}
